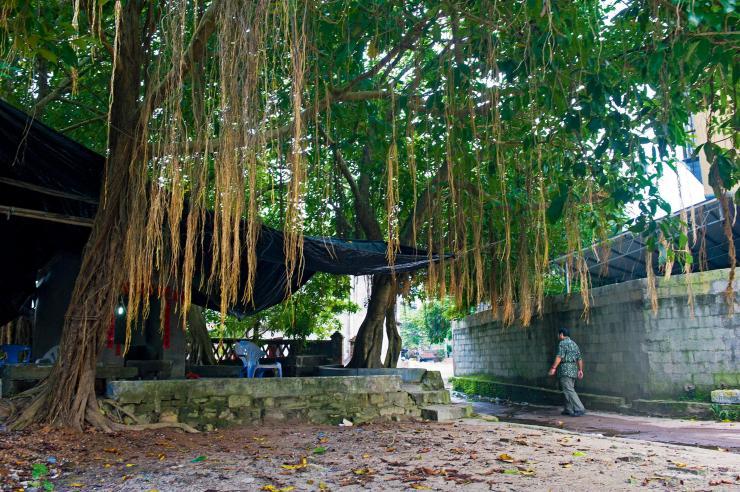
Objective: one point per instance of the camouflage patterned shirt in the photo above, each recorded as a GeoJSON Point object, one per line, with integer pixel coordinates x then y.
{"type": "Point", "coordinates": [569, 354]}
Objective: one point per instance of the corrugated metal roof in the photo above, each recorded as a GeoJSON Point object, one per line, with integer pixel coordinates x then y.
{"type": "Point", "coordinates": [622, 257]}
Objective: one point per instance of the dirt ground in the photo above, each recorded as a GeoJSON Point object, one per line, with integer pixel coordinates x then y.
{"type": "Point", "coordinates": [473, 454]}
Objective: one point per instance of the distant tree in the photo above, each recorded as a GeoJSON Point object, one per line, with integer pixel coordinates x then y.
{"type": "Point", "coordinates": [430, 324]}
{"type": "Point", "coordinates": [313, 310]}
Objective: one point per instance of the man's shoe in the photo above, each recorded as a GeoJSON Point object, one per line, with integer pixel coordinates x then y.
{"type": "Point", "coordinates": [578, 414]}
{"type": "Point", "coordinates": [565, 412]}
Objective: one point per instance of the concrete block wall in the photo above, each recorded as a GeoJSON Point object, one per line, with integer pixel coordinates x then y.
{"type": "Point", "coordinates": [628, 350]}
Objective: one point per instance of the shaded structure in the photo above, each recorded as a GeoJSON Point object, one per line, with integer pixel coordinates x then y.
{"type": "Point", "coordinates": [634, 351]}
{"type": "Point", "coordinates": [622, 258]}
{"type": "Point", "coordinates": [49, 192]}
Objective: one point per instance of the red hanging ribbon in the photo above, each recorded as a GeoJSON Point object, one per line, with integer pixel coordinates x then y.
{"type": "Point", "coordinates": [111, 332]}
{"type": "Point", "coordinates": [167, 315]}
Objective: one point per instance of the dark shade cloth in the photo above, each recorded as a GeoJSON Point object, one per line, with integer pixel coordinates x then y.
{"type": "Point", "coordinates": [34, 154]}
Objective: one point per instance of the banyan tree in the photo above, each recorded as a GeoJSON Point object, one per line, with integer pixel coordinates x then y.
{"type": "Point", "coordinates": [499, 131]}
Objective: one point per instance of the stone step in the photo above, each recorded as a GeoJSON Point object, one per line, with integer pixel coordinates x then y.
{"type": "Point", "coordinates": [429, 397]}
{"type": "Point", "coordinates": [726, 396]}
{"type": "Point", "coordinates": [442, 413]}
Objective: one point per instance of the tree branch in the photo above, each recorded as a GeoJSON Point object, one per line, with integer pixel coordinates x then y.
{"type": "Point", "coordinates": [82, 123]}
{"type": "Point", "coordinates": [57, 91]}
{"type": "Point", "coordinates": [406, 43]}
{"type": "Point", "coordinates": [362, 205]}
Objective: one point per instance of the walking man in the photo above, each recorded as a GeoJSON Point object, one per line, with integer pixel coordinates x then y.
{"type": "Point", "coordinates": [569, 366]}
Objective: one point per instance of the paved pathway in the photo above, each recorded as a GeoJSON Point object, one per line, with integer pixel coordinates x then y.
{"type": "Point", "coordinates": [707, 434]}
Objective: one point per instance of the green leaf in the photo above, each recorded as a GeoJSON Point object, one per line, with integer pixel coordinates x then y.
{"type": "Point", "coordinates": [555, 210]}
{"type": "Point", "coordinates": [683, 240]}
{"type": "Point", "coordinates": [319, 450]}
{"type": "Point", "coordinates": [655, 62]}
{"type": "Point", "coordinates": [726, 169]}
{"type": "Point", "coordinates": [698, 149]}
{"type": "Point", "coordinates": [68, 55]}
{"type": "Point", "coordinates": [48, 55]}
{"type": "Point", "coordinates": [573, 122]}
{"type": "Point", "coordinates": [198, 459]}
{"type": "Point", "coordinates": [39, 470]}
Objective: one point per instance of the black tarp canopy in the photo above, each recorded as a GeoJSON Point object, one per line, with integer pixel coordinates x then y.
{"type": "Point", "coordinates": [49, 188]}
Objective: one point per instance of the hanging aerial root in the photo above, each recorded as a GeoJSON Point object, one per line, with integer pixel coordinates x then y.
{"type": "Point", "coordinates": [652, 290]}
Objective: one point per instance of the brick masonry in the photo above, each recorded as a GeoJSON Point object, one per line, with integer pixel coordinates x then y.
{"type": "Point", "coordinates": [628, 350]}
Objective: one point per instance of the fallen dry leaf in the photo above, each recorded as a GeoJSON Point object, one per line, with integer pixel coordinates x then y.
{"type": "Point", "coordinates": [303, 463]}
{"type": "Point", "coordinates": [506, 458]}
{"type": "Point", "coordinates": [715, 483]}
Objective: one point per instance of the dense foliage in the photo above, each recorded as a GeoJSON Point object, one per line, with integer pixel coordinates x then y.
{"type": "Point", "coordinates": [509, 130]}
{"type": "Point", "coordinates": [505, 132]}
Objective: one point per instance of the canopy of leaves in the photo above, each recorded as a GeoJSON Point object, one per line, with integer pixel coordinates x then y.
{"type": "Point", "coordinates": [504, 132]}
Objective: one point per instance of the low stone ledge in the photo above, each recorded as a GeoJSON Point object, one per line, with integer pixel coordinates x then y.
{"type": "Point", "coordinates": [209, 403]}
{"type": "Point", "coordinates": [478, 386]}
{"type": "Point", "coordinates": [481, 386]}
{"type": "Point", "coordinates": [216, 371]}
{"type": "Point", "coordinates": [673, 409]}
{"type": "Point", "coordinates": [407, 374]}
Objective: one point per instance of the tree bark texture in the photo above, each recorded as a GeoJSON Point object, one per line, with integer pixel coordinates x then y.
{"type": "Point", "coordinates": [67, 397]}
{"type": "Point", "coordinates": [201, 349]}
{"type": "Point", "coordinates": [369, 339]}
{"type": "Point", "coordinates": [391, 331]}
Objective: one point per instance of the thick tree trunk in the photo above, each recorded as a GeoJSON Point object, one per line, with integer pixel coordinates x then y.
{"type": "Point", "coordinates": [201, 349]}
{"type": "Point", "coordinates": [67, 397]}
{"type": "Point", "coordinates": [369, 340]}
{"type": "Point", "coordinates": [391, 331]}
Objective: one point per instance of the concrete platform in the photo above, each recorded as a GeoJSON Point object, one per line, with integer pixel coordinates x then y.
{"type": "Point", "coordinates": [712, 435]}
{"type": "Point", "coordinates": [472, 386]}
{"type": "Point", "coordinates": [443, 413]}
{"type": "Point", "coordinates": [726, 396]}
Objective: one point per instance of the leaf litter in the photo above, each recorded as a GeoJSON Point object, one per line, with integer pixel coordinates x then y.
{"type": "Point", "coordinates": [383, 456]}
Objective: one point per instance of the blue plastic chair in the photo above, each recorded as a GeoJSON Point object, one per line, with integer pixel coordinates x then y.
{"type": "Point", "coordinates": [250, 355]}
{"type": "Point", "coordinates": [11, 354]}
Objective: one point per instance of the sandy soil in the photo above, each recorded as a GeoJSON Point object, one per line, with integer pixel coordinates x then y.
{"type": "Point", "coordinates": [469, 455]}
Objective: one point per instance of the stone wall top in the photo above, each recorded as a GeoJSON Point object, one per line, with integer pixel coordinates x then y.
{"type": "Point", "coordinates": [711, 282]}
{"type": "Point", "coordinates": [138, 391]}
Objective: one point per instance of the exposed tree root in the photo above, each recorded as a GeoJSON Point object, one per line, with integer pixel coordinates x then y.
{"type": "Point", "coordinates": [114, 405]}
{"type": "Point", "coordinates": [7, 410]}
{"type": "Point", "coordinates": [28, 413]}
{"type": "Point", "coordinates": [157, 425]}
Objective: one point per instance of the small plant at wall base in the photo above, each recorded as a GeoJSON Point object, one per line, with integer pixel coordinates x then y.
{"type": "Point", "coordinates": [724, 414]}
